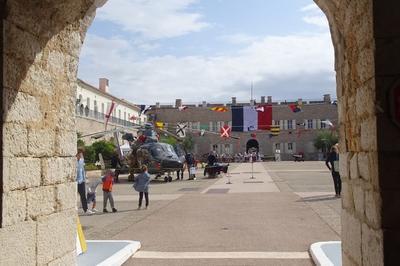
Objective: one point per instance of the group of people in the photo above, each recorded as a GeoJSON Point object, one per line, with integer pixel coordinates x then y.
{"type": "Point", "coordinates": [88, 193]}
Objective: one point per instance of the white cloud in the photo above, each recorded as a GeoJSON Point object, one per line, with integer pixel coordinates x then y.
{"type": "Point", "coordinates": [239, 38]}
{"type": "Point", "coordinates": [269, 62]}
{"type": "Point", "coordinates": [315, 16]}
{"type": "Point", "coordinates": [153, 19]}
{"type": "Point", "coordinates": [310, 7]}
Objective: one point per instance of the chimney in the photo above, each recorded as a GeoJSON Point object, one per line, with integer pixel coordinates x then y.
{"type": "Point", "coordinates": [103, 85]}
{"type": "Point", "coordinates": [300, 101]}
{"type": "Point", "coordinates": [178, 103]}
{"type": "Point", "coordinates": [327, 98]}
{"type": "Point", "coordinates": [269, 99]}
{"type": "Point", "coordinates": [233, 100]}
{"type": "Point", "coordinates": [204, 104]}
{"type": "Point", "coordinates": [157, 105]}
{"type": "Point", "coordinates": [262, 99]}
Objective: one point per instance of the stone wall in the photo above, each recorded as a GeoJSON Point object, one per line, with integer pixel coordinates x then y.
{"type": "Point", "coordinates": [366, 46]}
{"type": "Point", "coordinates": [41, 53]}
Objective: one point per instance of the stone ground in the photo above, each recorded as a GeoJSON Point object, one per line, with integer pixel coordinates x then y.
{"type": "Point", "coordinates": [270, 219]}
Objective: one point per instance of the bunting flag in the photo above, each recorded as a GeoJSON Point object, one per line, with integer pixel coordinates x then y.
{"type": "Point", "coordinates": [181, 129]}
{"type": "Point", "coordinates": [275, 130]}
{"type": "Point", "coordinates": [159, 125]}
{"type": "Point", "coordinates": [108, 115]}
{"type": "Point", "coordinates": [202, 132]}
{"type": "Point", "coordinates": [328, 123]}
{"type": "Point", "coordinates": [295, 107]}
{"type": "Point", "coordinates": [246, 118]}
{"type": "Point", "coordinates": [265, 117]}
{"type": "Point", "coordinates": [219, 109]}
{"type": "Point", "coordinates": [133, 118]}
{"type": "Point", "coordinates": [182, 108]}
{"type": "Point", "coordinates": [225, 131]}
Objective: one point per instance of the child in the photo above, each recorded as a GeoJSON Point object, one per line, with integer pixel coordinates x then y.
{"type": "Point", "coordinates": [108, 181]}
{"type": "Point", "coordinates": [91, 193]}
{"type": "Point", "coordinates": [142, 186]}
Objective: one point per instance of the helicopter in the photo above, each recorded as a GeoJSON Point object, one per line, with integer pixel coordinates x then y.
{"type": "Point", "coordinates": [160, 158]}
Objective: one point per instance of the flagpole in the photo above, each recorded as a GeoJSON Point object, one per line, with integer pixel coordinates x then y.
{"type": "Point", "coordinates": [251, 99]}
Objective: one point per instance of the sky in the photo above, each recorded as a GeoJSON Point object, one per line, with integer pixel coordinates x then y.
{"type": "Point", "coordinates": [210, 50]}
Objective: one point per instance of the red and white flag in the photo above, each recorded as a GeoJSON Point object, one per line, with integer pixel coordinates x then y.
{"type": "Point", "coordinates": [108, 115]}
{"type": "Point", "coordinates": [225, 131]}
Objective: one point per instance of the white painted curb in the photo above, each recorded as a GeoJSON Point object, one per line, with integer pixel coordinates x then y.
{"type": "Point", "coordinates": [319, 255]}
{"type": "Point", "coordinates": [122, 255]}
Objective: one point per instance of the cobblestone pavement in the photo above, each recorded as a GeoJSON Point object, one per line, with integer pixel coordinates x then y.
{"type": "Point", "coordinates": [269, 217]}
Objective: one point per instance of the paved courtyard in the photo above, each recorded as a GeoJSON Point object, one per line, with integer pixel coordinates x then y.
{"type": "Point", "coordinates": [270, 219]}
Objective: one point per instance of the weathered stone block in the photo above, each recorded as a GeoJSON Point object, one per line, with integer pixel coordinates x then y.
{"type": "Point", "coordinates": [347, 197]}
{"type": "Point", "coordinates": [20, 107]}
{"type": "Point", "coordinates": [14, 207]}
{"type": "Point", "coordinates": [21, 44]}
{"type": "Point", "coordinates": [41, 142]}
{"type": "Point", "coordinates": [351, 236]}
{"type": "Point", "coordinates": [21, 173]}
{"type": "Point", "coordinates": [354, 167]}
{"type": "Point", "coordinates": [373, 207]}
{"type": "Point", "coordinates": [372, 246]}
{"type": "Point", "coordinates": [344, 165]}
{"type": "Point", "coordinates": [41, 201]}
{"type": "Point", "coordinates": [363, 166]}
{"type": "Point", "coordinates": [365, 99]}
{"type": "Point", "coordinates": [58, 170]}
{"type": "Point", "coordinates": [67, 259]}
{"type": "Point", "coordinates": [66, 195]}
{"type": "Point", "coordinates": [368, 135]}
{"type": "Point", "coordinates": [56, 236]}
{"type": "Point", "coordinates": [18, 244]}
{"type": "Point", "coordinates": [15, 140]}
{"type": "Point", "coordinates": [66, 143]}
{"type": "Point", "coordinates": [358, 195]}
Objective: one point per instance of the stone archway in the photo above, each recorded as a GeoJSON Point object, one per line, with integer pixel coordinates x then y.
{"type": "Point", "coordinates": [40, 60]}
{"type": "Point", "coordinates": [252, 144]}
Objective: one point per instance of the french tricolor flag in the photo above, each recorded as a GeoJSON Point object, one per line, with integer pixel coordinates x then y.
{"type": "Point", "coordinates": [250, 118]}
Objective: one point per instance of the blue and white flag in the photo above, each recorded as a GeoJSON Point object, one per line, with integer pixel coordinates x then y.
{"type": "Point", "coordinates": [244, 118]}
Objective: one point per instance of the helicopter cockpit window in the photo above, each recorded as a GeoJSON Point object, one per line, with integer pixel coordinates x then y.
{"type": "Point", "coordinates": [156, 151]}
{"type": "Point", "coordinates": [169, 149]}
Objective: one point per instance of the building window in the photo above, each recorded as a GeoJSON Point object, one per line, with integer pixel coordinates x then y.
{"type": "Point", "coordinates": [119, 114]}
{"type": "Point", "coordinates": [88, 102]}
{"type": "Point", "coordinates": [215, 147]}
{"type": "Point", "coordinates": [310, 123]}
{"type": "Point", "coordinates": [290, 124]}
{"type": "Point", "coordinates": [323, 125]}
{"type": "Point", "coordinates": [290, 146]}
{"type": "Point", "coordinates": [102, 108]}
{"type": "Point", "coordinates": [277, 122]}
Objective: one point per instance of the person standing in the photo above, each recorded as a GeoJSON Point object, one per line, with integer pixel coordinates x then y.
{"type": "Point", "coordinates": [116, 164]}
{"type": "Point", "coordinates": [108, 181]}
{"type": "Point", "coordinates": [332, 162]}
{"type": "Point", "coordinates": [81, 179]}
{"type": "Point", "coordinates": [142, 186]}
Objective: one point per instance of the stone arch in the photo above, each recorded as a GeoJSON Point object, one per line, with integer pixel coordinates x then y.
{"type": "Point", "coordinates": [252, 143]}
{"type": "Point", "coordinates": [40, 59]}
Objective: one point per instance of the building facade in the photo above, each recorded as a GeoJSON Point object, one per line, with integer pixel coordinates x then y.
{"type": "Point", "coordinates": [93, 104]}
{"type": "Point", "coordinates": [297, 130]}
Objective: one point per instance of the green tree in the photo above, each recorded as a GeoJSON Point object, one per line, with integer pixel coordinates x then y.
{"type": "Point", "coordinates": [168, 139]}
{"type": "Point", "coordinates": [106, 148]}
{"type": "Point", "coordinates": [188, 143]}
{"type": "Point", "coordinates": [79, 141]}
{"type": "Point", "coordinates": [325, 140]}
